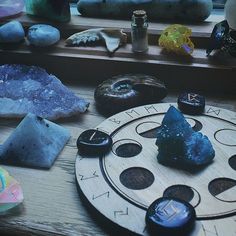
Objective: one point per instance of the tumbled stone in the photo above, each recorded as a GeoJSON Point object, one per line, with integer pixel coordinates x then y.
{"type": "Point", "coordinates": [179, 146]}
{"type": "Point", "coordinates": [191, 103]}
{"type": "Point", "coordinates": [94, 143]}
{"type": "Point", "coordinates": [43, 35]}
{"type": "Point", "coordinates": [12, 32]}
{"type": "Point", "coordinates": [10, 8]}
{"type": "Point", "coordinates": [11, 194]}
{"type": "Point", "coordinates": [170, 216]}
{"type": "Point", "coordinates": [35, 142]}
{"type": "Point", "coordinates": [30, 89]}
{"type": "Point", "coordinates": [56, 10]}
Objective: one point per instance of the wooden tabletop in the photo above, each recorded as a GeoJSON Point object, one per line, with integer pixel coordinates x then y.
{"type": "Point", "coordinates": [52, 205]}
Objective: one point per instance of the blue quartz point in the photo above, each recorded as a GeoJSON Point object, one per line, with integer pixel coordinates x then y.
{"type": "Point", "coordinates": [179, 145]}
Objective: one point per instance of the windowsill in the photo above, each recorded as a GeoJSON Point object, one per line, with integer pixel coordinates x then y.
{"type": "Point", "coordinates": [216, 67]}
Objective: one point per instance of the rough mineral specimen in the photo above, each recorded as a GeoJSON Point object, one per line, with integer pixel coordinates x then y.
{"type": "Point", "coordinates": [179, 145]}
{"type": "Point", "coordinates": [12, 32]}
{"type": "Point", "coordinates": [35, 142]}
{"type": "Point", "coordinates": [30, 89]}
{"type": "Point", "coordinates": [9, 8]}
{"type": "Point", "coordinates": [57, 10]}
{"type": "Point", "coordinates": [11, 193]}
{"type": "Point", "coordinates": [43, 35]}
{"type": "Point", "coordinates": [176, 38]}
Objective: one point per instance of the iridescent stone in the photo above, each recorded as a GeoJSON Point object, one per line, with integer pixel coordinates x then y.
{"type": "Point", "coordinates": [30, 89]}
{"type": "Point", "coordinates": [43, 35]}
{"type": "Point", "coordinates": [35, 142]}
{"type": "Point", "coordinates": [11, 194]}
{"type": "Point", "coordinates": [178, 145]}
{"type": "Point", "coordinates": [10, 8]}
{"type": "Point", "coordinates": [12, 32]}
{"type": "Point", "coordinates": [56, 10]}
{"type": "Point", "coordinates": [176, 38]}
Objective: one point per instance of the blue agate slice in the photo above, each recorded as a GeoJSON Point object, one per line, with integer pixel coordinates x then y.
{"type": "Point", "coordinates": [35, 142]}
{"type": "Point", "coordinates": [178, 145]}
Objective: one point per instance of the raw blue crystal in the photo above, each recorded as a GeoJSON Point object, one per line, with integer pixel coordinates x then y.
{"type": "Point", "coordinates": [12, 32]}
{"type": "Point", "coordinates": [35, 142]}
{"type": "Point", "coordinates": [179, 145]}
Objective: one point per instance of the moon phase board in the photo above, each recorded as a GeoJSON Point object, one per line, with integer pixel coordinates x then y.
{"type": "Point", "coordinates": [123, 183]}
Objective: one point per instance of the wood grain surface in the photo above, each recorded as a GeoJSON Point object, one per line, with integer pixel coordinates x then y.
{"type": "Point", "coordinates": [52, 205]}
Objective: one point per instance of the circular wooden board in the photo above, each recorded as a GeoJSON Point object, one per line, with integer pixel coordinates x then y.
{"type": "Point", "coordinates": [123, 183]}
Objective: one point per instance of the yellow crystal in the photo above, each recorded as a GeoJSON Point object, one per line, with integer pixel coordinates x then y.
{"type": "Point", "coordinates": [176, 38]}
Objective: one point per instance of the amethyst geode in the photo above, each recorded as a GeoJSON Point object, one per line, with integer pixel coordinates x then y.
{"type": "Point", "coordinates": [30, 89]}
{"type": "Point", "coordinates": [178, 145]}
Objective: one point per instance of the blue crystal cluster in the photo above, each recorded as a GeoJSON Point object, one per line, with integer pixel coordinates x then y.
{"type": "Point", "coordinates": [179, 145]}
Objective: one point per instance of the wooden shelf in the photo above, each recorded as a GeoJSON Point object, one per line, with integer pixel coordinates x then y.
{"type": "Point", "coordinates": [93, 64]}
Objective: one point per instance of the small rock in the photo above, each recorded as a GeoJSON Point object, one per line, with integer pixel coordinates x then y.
{"type": "Point", "coordinates": [35, 142]}
{"type": "Point", "coordinates": [11, 32]}
{"type": "Point", "coordinates": [191, 103]}
{"type": "Point", "coordinates": [179, 146]}
{"type": "Point", "coordinates": [170, 216]}
{"type": "Point", "coordinates": [94, 142]}
{"type": "Point", "coordinates": [43, 35]}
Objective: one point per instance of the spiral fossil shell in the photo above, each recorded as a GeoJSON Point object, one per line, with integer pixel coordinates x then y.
{"type": "Point", "coordinates": [126, 91]}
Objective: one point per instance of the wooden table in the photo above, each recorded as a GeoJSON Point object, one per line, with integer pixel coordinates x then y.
{"type": "Point", "coordinates": [52, 205]}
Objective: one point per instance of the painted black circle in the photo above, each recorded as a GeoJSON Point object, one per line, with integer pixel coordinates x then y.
{"type": "Point", "coordinates": [182, 192]}
{"type": "Point", "coordinates": [197, 126]}
{"type": "Point", "coordinates": [137, 178]}
{"type": "Point", "coordinates": [232, 162]}
{"type": "Point", "coordinates": [148, 129]}
{"type": "Point", "coordinates": [127, 148]}
{"type": "Point", "coordinates": [219, 186]}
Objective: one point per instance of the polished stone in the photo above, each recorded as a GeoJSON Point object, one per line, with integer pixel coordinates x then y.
{"type": "Point", "coordinates": [94, 142]}
{"type": "Point", "coordinates": [191, 103]}
{"type": "Point", "coordinates": [10, 8]}
{"type": "Point", "coordinates": [43, 35]}
{"type": "Point", "coordinates": [12, 32]}
{"type": "Point", "coordinates": [56, 10]}
{"type": "Point", "coordinates": [35, 142]}
{"type": "Point", "coordinates": [170, 216]}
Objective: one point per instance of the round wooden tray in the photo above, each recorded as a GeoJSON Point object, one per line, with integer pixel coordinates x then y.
{"type": "Point", "coordinates": [123, 183]}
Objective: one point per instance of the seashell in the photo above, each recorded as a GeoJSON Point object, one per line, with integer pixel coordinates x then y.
{"type": "Point", "coordinates": [113, 38]}
{"type": "Point", "coordinates": [125, 91]}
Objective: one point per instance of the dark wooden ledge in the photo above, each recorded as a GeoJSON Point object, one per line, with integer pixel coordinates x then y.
{"type": "Point", "coordinates": [93, 64]}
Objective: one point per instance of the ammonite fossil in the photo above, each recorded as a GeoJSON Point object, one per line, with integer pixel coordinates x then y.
{"type": "Point", "coordinates": [126, 91]}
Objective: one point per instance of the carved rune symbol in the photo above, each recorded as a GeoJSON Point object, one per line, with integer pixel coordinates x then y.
{"type": "Point", "coordinates": [121, 213]}
{"type": "Point", "coordinates": [107, 194]}
{"type": "Point", "coordinates": [149, 108]}
{"type": "Point", "coordinates": [133, 111]}
{"type": "Point", "coordinates": [169, 211]}
{"type": "Point", "coordinates": [193, 97]}
{"type": "Point", "coordinates": [211, 110]}
{"type": "Point", "coordinates": [115, 121]}
{"type": "Point", "coordinates": [89, 177]}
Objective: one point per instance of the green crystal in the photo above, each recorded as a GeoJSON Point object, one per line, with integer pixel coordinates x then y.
{"type": "Point", "coordinates": [56, 10]}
